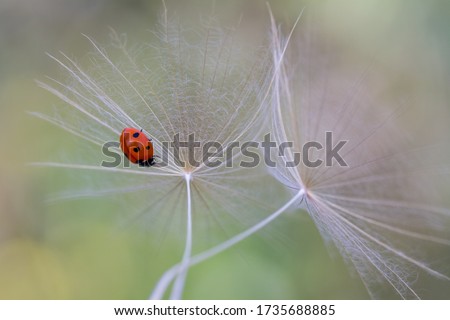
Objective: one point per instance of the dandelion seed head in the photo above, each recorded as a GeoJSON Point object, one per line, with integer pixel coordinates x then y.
{"type": "Point", "coordinates": [185, 80]}
{"type": "Point", "coordinates": [384, 210]}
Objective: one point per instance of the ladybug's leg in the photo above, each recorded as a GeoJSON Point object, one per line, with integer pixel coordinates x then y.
{"type": "Point", "coordinates": [147, 163]}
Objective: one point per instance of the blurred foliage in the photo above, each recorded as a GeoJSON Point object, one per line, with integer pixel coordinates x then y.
{"type": "Point", "coordinates": [77, 249]}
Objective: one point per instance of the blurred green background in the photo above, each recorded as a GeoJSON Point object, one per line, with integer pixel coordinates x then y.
{"type": "Point", "coordinates": [76, 250]}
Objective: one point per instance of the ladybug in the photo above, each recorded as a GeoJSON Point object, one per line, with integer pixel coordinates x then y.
{"type": "Point", "coordinates": [137, 147]}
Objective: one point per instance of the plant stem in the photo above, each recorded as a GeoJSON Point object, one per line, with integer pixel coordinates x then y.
{"type": "Point", "coordinates": [178, 286]}
{"type": "Point", "coordinates": [168, 276]}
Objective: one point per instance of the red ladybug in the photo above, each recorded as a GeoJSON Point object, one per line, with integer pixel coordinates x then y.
{"type": "Point", "coordinates": [137, 147]}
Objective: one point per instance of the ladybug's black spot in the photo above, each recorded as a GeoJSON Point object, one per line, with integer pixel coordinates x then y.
{"type": "Point", "coordinates": [147, 147]}
{"type": "Point", "coordinates": [136, 134]}
{"type": "Point", "coordinates": [136, 149]}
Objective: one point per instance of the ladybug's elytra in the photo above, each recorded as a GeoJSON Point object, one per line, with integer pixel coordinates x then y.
{"type": "Point", "coordinates": [137, 147]}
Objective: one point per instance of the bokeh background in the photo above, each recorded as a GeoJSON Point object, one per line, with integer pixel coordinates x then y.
{"type": "Point", "coordinates": [78, 249]}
